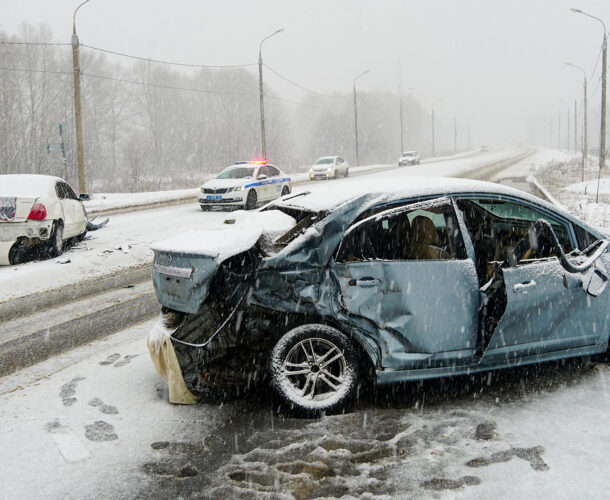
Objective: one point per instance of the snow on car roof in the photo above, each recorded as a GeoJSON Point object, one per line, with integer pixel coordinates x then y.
{"type": "Point", "coordinates": [27, 185]}
{"type": "Point", "coordinates": [327, 197]}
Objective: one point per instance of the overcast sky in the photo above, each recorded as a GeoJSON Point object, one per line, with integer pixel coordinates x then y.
{"type": "Point", "coordinates": [493, 62]}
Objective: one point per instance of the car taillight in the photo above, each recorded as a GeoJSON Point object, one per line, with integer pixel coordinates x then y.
{"type": "Point", "coordinates": [38, 212]}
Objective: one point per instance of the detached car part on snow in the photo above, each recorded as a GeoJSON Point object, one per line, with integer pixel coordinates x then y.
{"type": "Point", "coordinates": [425, 279]}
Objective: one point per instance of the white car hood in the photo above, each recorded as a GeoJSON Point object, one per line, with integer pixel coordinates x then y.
{"type": "Point", "coordinates": [227, 183]}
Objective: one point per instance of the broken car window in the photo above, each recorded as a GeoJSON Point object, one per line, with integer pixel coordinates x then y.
{"type": "Point", "coordinates": [422, 232]}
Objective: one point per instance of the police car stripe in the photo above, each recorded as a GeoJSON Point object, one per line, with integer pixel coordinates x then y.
{"type": "Point", "coordinates": [267, 181]}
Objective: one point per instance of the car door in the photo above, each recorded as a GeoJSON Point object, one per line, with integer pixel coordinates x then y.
{"type": "Point", "coordinates": [275, 186]}
{"type": "Point", "coordinates": [534, 305]}
{"type": "Point", "coordinates": [410, 285]}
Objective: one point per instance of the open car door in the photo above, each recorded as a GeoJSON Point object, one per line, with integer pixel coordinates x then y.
{"type": "Point", "coordinates": [539, 301]}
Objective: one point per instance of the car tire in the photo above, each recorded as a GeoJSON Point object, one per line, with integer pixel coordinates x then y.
{"type": "Point", "coordinates": [251, 200]}
{"type": "Point", "coordinates": [56, 241]}
{"type": "Point", "coordinates": [285, 190]}
{"type": "Point", "coordinates": [205, 208]}
{"type": "Point", "coordinates": [317, 388]}
{"type": "Point", "coordinates": [346, 172]}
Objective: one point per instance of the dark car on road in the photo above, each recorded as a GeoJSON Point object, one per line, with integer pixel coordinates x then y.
{"type": "Point", "coordinates": [384, 282]}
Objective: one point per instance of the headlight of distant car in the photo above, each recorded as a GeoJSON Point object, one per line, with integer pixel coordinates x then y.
{"type": "Point", "coordinates": [329, 169]}
{"type": "Point", "coordinates": [201, 189]}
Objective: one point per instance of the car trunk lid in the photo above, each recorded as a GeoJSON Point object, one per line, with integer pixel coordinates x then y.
{"type": "Point", "coordinates": [16, 209]}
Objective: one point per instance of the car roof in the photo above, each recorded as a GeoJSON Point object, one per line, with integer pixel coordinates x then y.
{"type": "Point", "coordinates": [327, 197]}
{"type": "Point", "coordinates": [409, 153]}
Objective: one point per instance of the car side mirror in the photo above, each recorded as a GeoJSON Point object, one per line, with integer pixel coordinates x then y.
{"type": "Point", "coordinates": [261, 177]}
{"type": "Point", "coordinates": [83, 197]}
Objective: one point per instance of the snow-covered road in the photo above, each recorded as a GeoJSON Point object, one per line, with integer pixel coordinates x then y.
{"type": "Point", "coordinates": [95, 423]}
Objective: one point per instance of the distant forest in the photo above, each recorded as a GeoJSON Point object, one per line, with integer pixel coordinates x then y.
{"type": "Point", "coordinates": [152, 126]}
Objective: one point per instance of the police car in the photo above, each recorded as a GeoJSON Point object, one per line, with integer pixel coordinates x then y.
{"type": "Point", "coordinates": [244, 184]}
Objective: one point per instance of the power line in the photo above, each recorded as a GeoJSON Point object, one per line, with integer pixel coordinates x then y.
{"type": "Point", "coordinates": [34, 43]}
{"type": "Point", "coordinates": [159, 85]}
{"type": "Point", "coordinates": [168, 62]}
{"type": "Point", "coordinates": [300, 86]}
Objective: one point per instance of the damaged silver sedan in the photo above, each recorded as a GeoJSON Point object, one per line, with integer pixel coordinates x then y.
{"type": "Point", "coordinates": [409, 280]}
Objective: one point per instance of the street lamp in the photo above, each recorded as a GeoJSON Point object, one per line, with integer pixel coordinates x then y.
{"type": "Point", "coordinates": [584, 147]}
{"type": "Point", "coordinates": [602, 140]}
{"type": "Point", "coordinates": [356, 117]}
{"type": "Point", "coordinates": [402, 148]}
{"type": "Point", "coordinates": [260, 88]}
{"type": "Point", "coordinates": [435, 103]}
{"type": "Point", "coordinates": [78, 120]}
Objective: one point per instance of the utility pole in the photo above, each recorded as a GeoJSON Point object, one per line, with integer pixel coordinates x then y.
{"type": "Point", "coordinates": [356, 117]}
{"type": "Point", "coordinates": [585, 145]}
{"type": "Point", "coordinates": [602, 146]}
{"type": "Point", "coordinates": [261, 94]}
{"type": "Point", "coordinates": [78, 120]}
{"type": "Point", "coordinates": [455, 134]}
{"type": "Point", "coordinates": [602, 139]}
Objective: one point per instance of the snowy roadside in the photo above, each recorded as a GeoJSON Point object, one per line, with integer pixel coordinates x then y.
{"type": "Point", "coordinates": [562, 179]}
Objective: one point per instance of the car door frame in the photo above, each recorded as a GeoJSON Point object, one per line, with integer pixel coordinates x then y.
{"type": "Point", "coordinates": [392, 341]}
{"type": "Point", "coordinates": [534, 280]}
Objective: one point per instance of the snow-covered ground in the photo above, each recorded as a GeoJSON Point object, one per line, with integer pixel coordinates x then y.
{"type": "Point", "coordinates": [95, 423]}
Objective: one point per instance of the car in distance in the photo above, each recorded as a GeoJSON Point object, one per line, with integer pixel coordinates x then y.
{"type": "Point", "coordinates": [328, 167]}
{"type": "Point", "coordinates": [408, 158]}
{"type": "Point", "coordinates": [484, 149]}
{"type": "Point", "coordinates": [415, 279]}
{"type": "Point", "coordinates": [38, 210]}
{"type": "Point", "coordinates": [244, 185]}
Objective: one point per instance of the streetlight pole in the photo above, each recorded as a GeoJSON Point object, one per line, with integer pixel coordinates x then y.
{"type": "Point", "coordinates": [402, 147]}
{"type": "Point", "coordinates": [356, 117]}
{"type": "Point", "coordinates": [260, 90]}
{"type": "Point", "coordinates": [602, 140]}
{"type": "Point", "coordinates": [435, 103]}
{"type": "Point", "coordinates": [78, 120]}
{"type": "Point", "coordinates": [584, 147]}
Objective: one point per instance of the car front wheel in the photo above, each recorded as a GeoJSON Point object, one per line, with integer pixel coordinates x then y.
{"type": "Point", "coordinates": [285, 190]}
{"type": "Point", "coordinates": [314, 369]}
{"type": "Point", "coordinates": [251, 200]}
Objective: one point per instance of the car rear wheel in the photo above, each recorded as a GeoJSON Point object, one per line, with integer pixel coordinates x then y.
{"type": "Point", "coordinates": [56, 241]}
{"type": "Point", "coordinates": [346, 172]}
{"type": "Point", "coordinates": [314, 369]}
{"type": "Point", "coordinates": [251, 200]}
{"type": "Point", "coordinates": [285, 190]}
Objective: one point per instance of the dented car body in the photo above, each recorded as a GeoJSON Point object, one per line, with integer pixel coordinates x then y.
{"type": "Point", "coordinates": [398, 282]}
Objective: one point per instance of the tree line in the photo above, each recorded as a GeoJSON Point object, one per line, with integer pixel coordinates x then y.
{"type": "Point", "coordinates": [149, 126]}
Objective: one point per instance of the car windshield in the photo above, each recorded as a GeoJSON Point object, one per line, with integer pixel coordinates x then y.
{"type": "Point", "coordinates": [409, 153]}
{"type": "Point", "coordinates": [324, 161]}
{"type": "Point", "coordinates": [237, 173]}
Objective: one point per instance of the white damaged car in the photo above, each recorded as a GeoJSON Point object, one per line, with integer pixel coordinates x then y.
{"type": "Point", "coordinates": [38, 210]}
{"type": "Point", "coordinates": [244, 185]}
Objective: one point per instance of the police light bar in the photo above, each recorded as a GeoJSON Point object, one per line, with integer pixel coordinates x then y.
{"type": "Point", "coordinates": [253, 162]}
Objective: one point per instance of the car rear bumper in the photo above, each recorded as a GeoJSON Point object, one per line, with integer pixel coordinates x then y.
{"type": "Point", "coordinates": [31, 230]}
